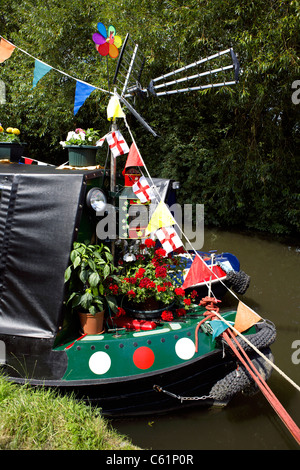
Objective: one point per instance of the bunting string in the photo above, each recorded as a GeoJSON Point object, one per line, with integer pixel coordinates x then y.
{"type": "Point", "coordinates": [83, 89]}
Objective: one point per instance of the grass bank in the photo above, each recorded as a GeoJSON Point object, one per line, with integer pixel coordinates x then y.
{"type": "Point", "coordinates": [39, 419]}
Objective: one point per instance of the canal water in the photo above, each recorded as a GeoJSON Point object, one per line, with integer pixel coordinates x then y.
{"type": "Point", "coordinates": [247, 423]}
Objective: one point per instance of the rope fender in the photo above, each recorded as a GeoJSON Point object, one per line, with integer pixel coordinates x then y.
{"type": "Point", "coordinates": [240, 380]}
{"type": "Point", "coordinates": [265, 335]}
{"type": "Point", "coordinates": [239, 281]}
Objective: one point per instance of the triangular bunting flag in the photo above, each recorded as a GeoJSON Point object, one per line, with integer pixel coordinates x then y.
{"type": "Point", "coordinates": [114, 109]}
{"type": "Point", "coordinates": [142, 190]}
{"type": "Point", "coordinates": [168, 238]}
{"type": "Point", "coordinates": [40, 69]}
{"type": "Point", "coordinates": [161, 217]}
{"type": "Point", "coordinates": [101, 141]}
{"type": "Point", "coordinates": [133, 159]}
{"type": "Point", "coordinates": [245, 318]}
{"type": "Point", "coordinates": [116, 143]}
{"type": "Point", "coordinates": [6, 50]}
{"type": "Point", "coordinates": [198, 272]}
{"type": "Point", "coordinates": [218, 327]}
{"type": "Point", "coordinates": [82, 92]}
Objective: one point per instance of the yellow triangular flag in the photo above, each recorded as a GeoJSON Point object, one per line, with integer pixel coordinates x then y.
{"type": "Point", "coordinates": [114, 109]}
{"type": "Point", "coordinates": [161, 217]}
{"type": "Point", "coordinates": [245, 318]}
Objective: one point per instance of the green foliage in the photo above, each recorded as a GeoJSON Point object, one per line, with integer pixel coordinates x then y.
{"type": "Point", "coordinates": [40, 419]}
{"type": "Point", "coordinates": [233, 149]}
{"type": "Point", "coordinates": [90, 274]}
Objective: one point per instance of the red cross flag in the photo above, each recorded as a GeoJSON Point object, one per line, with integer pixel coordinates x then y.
{"type": "Point", "coordinates": [116, 143]}
{"type": "Point", "coordinates": [168, 238]}
{"type": "Point", "coordinates": [142, 189]}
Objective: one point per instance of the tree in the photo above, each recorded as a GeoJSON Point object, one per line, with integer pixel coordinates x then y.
{"type": "Point", "coordinates": [233, 149]}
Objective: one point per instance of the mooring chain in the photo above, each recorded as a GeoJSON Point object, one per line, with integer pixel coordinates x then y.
{"type": "Point", "coordinates": [160, 389]}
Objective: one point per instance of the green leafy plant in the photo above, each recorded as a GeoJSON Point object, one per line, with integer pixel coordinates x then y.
{"type": "Point", "coordinates": [11, 135]}
{"type": "Point", "coordinates": [81, 137]}
{"type": "Point", "coordinates": [91, 277]}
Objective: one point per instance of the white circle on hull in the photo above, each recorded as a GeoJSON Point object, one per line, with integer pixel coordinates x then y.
{"type": "Point", "coordinates": [99, 362]}
{"type": "Point", "coordinates": [185, 348]}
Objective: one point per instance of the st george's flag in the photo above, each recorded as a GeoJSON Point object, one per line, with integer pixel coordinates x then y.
{"type": "Point", "coordinates": [169, 239]}
{"type": "Point", "coordinates": [142, 190]}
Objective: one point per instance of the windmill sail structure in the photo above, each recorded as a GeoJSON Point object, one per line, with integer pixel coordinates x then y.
{"type": "Point", "coordinates": [159, 89]}
{"type": "Point", "coordinates": [127, 77]}
{"type": "Point", "coordinates": [129, 67]}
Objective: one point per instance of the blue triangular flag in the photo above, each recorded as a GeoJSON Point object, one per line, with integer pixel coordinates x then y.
{"type": "Point", "coordinates": [218, 326]}
{"type": "Point", "coordinates": [40, 69]}
{"type": "Point", "coordinates": [82, 92]}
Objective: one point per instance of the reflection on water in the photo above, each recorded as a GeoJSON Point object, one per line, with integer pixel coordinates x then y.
{"type": "Point", "coordinates": [247, 422]}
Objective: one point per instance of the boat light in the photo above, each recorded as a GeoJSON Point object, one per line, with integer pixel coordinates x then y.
{"type": "Point", "coordinates": [96, 199]}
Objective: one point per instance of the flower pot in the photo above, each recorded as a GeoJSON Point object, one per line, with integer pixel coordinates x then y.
{"type": "Point", "coordinates": [92, 324]}
{"type": "Point", "coordinates": [12, 151]}
{"type": "Point", "coordinates": [148, 310]}
{"type": "Point", "coordinates": [82, 155]}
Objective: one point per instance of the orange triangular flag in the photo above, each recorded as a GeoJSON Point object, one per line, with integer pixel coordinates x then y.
{"type": "Point", "coordinates": [198, 272]}
{"type": "Point", "coordinates": [245, 318]}
{"type": "Point", "coordinates": [6, 50]}
{"type": "Point", "coordinates": [134, 158]}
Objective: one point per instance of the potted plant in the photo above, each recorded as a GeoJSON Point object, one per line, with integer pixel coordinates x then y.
{"type": "Point", "coordinates": [11, 147]}
{"type": "Point", "coordinates": [81, 146]}
{"type": "Point", "coordinates": [92, 284]}
{"type": "Point", "coordinates": [149, 284]}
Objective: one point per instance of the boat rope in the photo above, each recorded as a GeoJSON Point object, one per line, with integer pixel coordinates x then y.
{"type": "Point", "coordinates": [265, 389]}
{"type": "Point", "coordinates": [244, 337]}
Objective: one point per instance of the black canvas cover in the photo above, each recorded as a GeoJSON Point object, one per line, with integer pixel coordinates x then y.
{"type": "Point", "coordinates": [38, 216]}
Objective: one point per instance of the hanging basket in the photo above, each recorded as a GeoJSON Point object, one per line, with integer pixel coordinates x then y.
{"type": "Point", "coordinates": [82, 155]}
{"type": "Point", "coordinates": [91, 324]}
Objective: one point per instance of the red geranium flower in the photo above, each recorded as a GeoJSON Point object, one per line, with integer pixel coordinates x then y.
{"type": "Point", "coordinates": [161, 288]}
{"type": "Point", "coordinates": [167, 283]}
{"type": "Point", "coordinates": [120, 312]}
{"type": "Point", "coordinates": [145, 282]}
{"type": "Point", "coordinates": [140, 273]}
{"type": "Point", "coordinates": [160, 253]}
{"type": "Point", "coordinates": [180, 291]}
{"type": "Point", "coordinates": [114, 288]}
{"type": "Point", "coordinates": [131, 293]}
{"type": "Point", "coordinates": [149, 243]}
{"type": "Point", "coordinates": [167, 315]}
{"type": "Point", "coordinates": [180, 312]}
{"type": "Point", "coordinates": [187, 301]}
{"type": "Point", "coordinates": [160, 271]}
